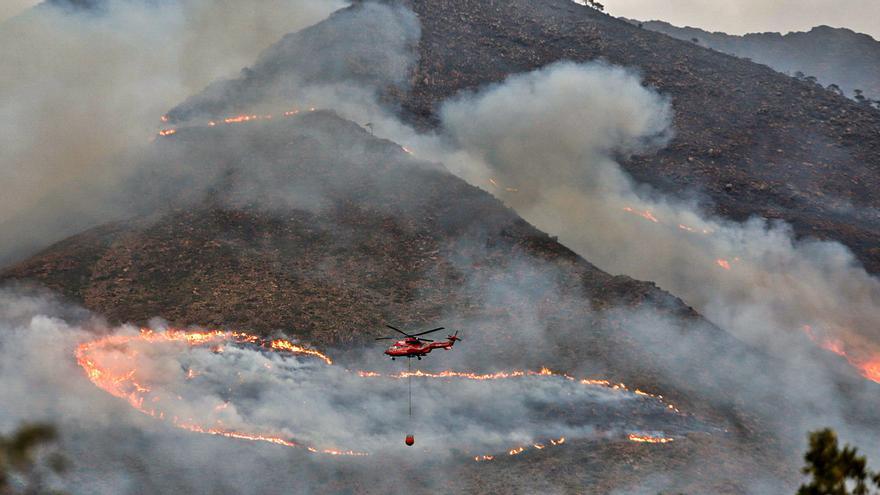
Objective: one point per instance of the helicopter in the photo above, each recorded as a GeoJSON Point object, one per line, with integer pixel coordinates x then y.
{"type": "Point", "coordinates": [414, 346]}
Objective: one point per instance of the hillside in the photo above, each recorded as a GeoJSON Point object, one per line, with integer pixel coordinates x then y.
{"type": "Point", "coordinates": [749, 140]}
{"type": "Point", "coordinates": [380, 237]}
{"type": "Point", "coordinates": [374, 236]}
{"type": "Point", "coordinates": [832, 55]}
{"type": "Point", "coordinates": [306, 225]}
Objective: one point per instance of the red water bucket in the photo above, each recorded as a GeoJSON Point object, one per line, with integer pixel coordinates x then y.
{"type": "Point", "coordinates": [410, 440]}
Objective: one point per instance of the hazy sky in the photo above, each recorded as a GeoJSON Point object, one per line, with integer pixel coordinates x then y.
{"type": "Point", "coordinates": [9, 8]}
{"type": "Point", "coordinates": [735, 17]}
{"type": "Point", "coordinates": [746, 16]}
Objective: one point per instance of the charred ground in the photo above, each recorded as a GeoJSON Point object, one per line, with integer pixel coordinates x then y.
{"type": "Point", "coordinates": [749, 140]}
{"type": "Point", "coordinates": [382, 237]}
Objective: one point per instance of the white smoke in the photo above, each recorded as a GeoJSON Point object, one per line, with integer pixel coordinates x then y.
{"type": "Point", "coordinates": [256, 391]}
{"type": "Point", "coordinates": [79, 88]}
{"type": "Point", "coordinates": [549, 141]}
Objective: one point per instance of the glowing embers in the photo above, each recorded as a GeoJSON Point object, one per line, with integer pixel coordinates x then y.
{"type": "Point", "coordinates": [523, 448]}
{"type": "Point", "coordinates": [648, 215]}
{"type": "Point", "coordinates": [495, 184]}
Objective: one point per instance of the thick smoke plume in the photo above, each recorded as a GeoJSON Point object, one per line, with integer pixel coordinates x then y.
{"type": "Point", "coordinates": [550, 138]}
{"type": "Point", "coordinates": [545, 142]}
{"type": "Point", "coordinates": [256, 391]}
{"type": "Point", "coordinates": [80, 88]}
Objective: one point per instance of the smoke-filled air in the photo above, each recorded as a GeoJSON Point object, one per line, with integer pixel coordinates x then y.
{"type": "Point", "coordinates": [223, 223]}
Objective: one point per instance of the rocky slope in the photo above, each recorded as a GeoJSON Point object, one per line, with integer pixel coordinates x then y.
{"type": "Point", "coordinates": [750, 140]}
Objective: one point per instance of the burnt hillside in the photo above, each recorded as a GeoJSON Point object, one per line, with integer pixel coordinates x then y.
{"type": "Point", "coordinates": [374, 236]}
{"type": "Point", "coordinates": [755, 141]}
{"type": "Point", "coordinates": [750, 140]}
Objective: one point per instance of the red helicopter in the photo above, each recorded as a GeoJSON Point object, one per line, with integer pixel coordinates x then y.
{"type": "Point", "coordinates": [414, 346]}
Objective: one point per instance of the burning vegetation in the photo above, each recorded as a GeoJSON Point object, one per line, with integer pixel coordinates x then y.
{"type": "Point", "coordinates": [110, 363]}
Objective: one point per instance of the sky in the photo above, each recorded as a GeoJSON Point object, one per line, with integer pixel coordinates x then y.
{"type": "Point", "coordinates": [748, 16]}
{"type": "Point", "coordinates": [739, 17]}
{"type": "Point", "coordinates": [9, 8]}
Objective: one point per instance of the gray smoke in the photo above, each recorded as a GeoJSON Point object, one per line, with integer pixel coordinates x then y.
{"type": "Point", "coordinates": [80, 89]}
{"type": "Point", "coordinates": [550, 139]}
{"type": "Point", "coordinates": [115, 449]}
{"type": "Point", "coordinates": [547, 144]}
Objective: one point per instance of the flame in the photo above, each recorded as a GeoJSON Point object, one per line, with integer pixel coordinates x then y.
{"type": "Point", "coordinates": [286, 345]}
{"type": "Point", "coordinates": [167, 132]}
{"type": "Point", "coordinates": [633, 437]}
{"type": "Point", "coordinates": [646, 214]}
{"type": "Point", "coordinates": [723, 263]}
{"type": "Point", "coordinates": [127, 387]}
{"type": "Point", "coordinates": [127, 384]}
{"type": "Point", "coordinates": [868, 367]}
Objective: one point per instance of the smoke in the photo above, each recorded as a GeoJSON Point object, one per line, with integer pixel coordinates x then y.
{"type": "Point", "coordinates": [551, 138]}
{"type": "Point", "coordinates": [81, 88]}
{"type": "Point", "coordinates": [548, 142]}
{"type": "Point", "coordinates": [116, 449]}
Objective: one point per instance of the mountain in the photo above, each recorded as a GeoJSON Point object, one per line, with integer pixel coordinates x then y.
{"type": "Point", "coordinates": [832, 55]}
{"type": "Point", "coordinates": [749, 140]}
{"type": "Point", "coordinates": [376, 236]}
{"type": "Point", "coordinates": [307, 225]}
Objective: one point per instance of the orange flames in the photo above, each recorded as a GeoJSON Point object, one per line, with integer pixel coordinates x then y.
{"type": "Point", "coordinates": [646, 214]}
{"type": "Point", "coordinates": [723, 263]}
{"type": "Point", "coordinates": [523, 448]}
{"type": "Point", "coordinates": [633, 437]}
{"type": "Point", "coordinates": [869, 367]}
{"type": "Point", "coordinates": [503, 375]}
{"type": "Point", "coordinates": [119, 379]}
{"type": "Point", "coordinates": [236, 119]}
{"type": "Point", "coordinates": [129, 387]}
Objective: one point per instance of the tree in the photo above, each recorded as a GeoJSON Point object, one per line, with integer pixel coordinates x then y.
{"type": "Point", "coordinates": [859, 96]}
{"type": "Point", "coordinates": [834, 470]}
{"type": "Point", "coordinates": [22, 463]}
{"type": "Point", "coordinates": [835, 89]}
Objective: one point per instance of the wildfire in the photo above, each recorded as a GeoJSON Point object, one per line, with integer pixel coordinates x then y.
{"type": "Point", "coordinates": [646, 214]}
{"type": "Point", "coordinates": [723, 263]}
{"type": "Point", "coordinates": [121, 380]}
{"type": "Point", "coordinates": [139, 396]}
{"type": "Point", "coordinates": [633, 437]}
{"type": "Point", "coordinates": [235, 119]}
{"type": "Point", "coordinates": [503, 375]}
{"type": "Point", "coordinates": [519, 450]}
{"type": "Point", "coordinates": [869, 367]}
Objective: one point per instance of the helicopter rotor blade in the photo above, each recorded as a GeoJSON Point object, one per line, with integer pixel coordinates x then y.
{"type": "Point", "coordinates": [386, 338]}
{"type": "Point", "coordinates": [425, 340]}
{"type": "Point", "coordinates": [399, 330]}
{"type": "Point", "coordinates": [429, 331]}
